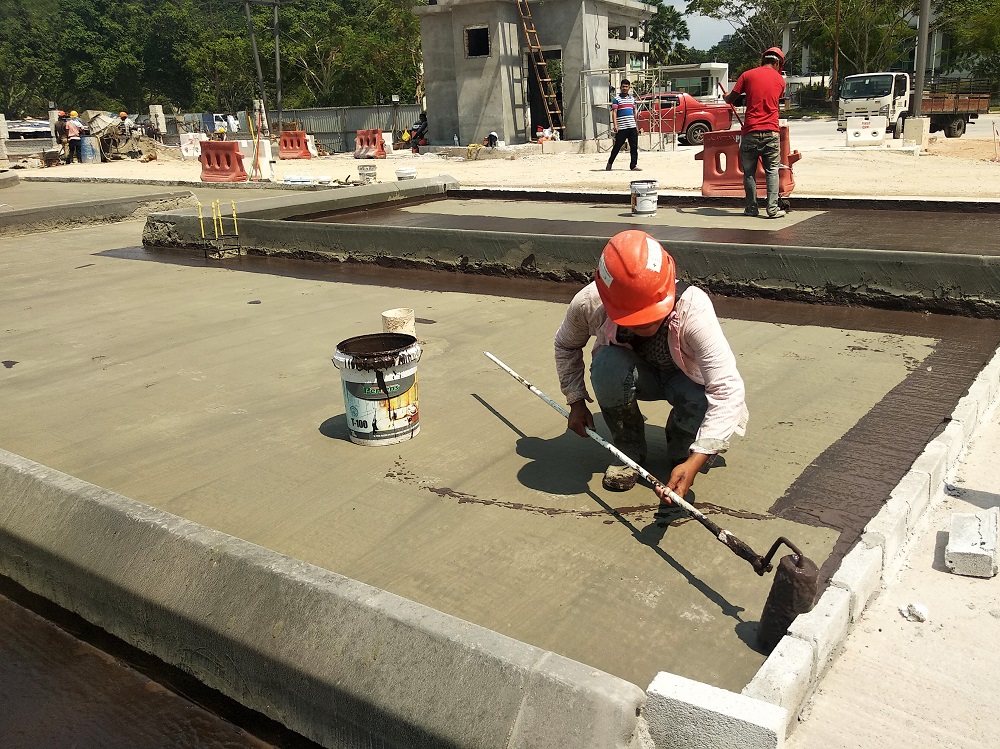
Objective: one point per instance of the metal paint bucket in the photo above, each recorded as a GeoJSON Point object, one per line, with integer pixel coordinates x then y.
{"type": "Point", "coordinates": [644, 195]}
{"type": "Point", "coordinates": [367, 173]}
{"type": "Point", "coordinates": [90, 150]}
{"type": "Point", "coordinates": [379, 376]}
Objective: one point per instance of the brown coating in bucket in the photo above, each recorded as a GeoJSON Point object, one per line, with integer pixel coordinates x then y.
{"type": "Point", "coordinates": [377, 351]}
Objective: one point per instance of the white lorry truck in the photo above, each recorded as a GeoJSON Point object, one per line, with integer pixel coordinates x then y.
{"type": "Point", "coordinates": [950, 104]}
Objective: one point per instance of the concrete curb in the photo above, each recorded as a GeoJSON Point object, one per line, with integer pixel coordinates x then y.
{"type": "Point", "coordinates": [9, 179]}
{"type": "Point", "coordinates": [686, 714]}
{"type": "Point", "coordinates": [89, 211]}
{"type": "Point", "coordinates": [945, 282]}
{"type": "Point", "coordinates": [862, 571]}
{"type": "Point", "coordinates": [341, 662]}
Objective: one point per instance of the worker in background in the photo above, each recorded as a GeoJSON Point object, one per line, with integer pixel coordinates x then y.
{"type": "Point", "coordinates": [125, 125]}
{"type": "Point", "coordinates": [62, 135]}
{"type": "Point", "coordinates": [624, 126]}
{"type": "Point", "coordinates": [74, 129]}
{"type": "Point", "coordinates": [657, 338]}
{"type": "Point", "coordinates": [761, 135]}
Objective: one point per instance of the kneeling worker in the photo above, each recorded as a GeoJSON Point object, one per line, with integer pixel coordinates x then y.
{"type": "Point", "coordinates": [657, 339]}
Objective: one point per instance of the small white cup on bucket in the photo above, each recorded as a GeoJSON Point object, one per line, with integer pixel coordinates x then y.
{"type": "Point", "coordinates": [399, 320]}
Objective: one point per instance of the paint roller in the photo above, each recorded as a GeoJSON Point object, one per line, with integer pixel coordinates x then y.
{"type": "Point", "coordinates": [796, 581]}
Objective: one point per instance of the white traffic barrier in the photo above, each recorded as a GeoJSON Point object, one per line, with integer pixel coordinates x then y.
{"type": "Point", "coordinates": [866, 131]}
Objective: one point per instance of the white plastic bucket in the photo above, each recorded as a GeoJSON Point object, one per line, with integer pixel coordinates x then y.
{"type": "Point", "coordinates": [379, 376]}
{"type": "Point", "coordinates": [644, 195]}
{"type": "Point", "coordinates": [406, 172]}
{"type": "Point", "coordinates": [367, 173]}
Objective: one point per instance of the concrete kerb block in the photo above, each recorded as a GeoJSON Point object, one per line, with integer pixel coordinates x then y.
{"type": "Point", "coordinates": [952, 439]}
{"type": "Point", "coordinates": [967, 413]}
{"type": "Point", "coordinates": [860, 574]}
{"type": "Point", "coordinates": [933, 462]}
{"type": "Point", "coordinates": [825, 627]}
{"type": "Point", "coordinates": [686, 714]}
{"type": "Point", "coordinates": [787, 677]}
{"type": "Point", "coordinates": [914, 489]}
{"type": "Point", "coordinates": [990, 378]}
{"type": "Point", "coordinates": [888, 529]}
{"type": "Point", "coordinates": [341, 662]}
{"type": "Point", "coordinates": [972, 543]}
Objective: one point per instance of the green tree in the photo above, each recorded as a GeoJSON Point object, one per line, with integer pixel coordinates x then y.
{"type": "Point", "coordinates": [757, 24]}
{"type": "Point", "coordinates": [874, 34]}
{"type": "Point", "coordinates": [665, 33]}
{"type": "Point", "coordinates": [30, 76]}
{"type": "Point", "coordinates": [974, 26]}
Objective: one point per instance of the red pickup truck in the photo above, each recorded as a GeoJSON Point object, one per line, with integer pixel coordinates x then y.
{"type": "Point", "coordinates": [677, 112]}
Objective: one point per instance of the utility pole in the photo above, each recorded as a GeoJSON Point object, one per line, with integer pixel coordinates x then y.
{"type": "Point", "coordinates": [920, 61]}
{"type": "Point", "coordinates": [256, 56]}
{"type": "Point", "coordinates": [835, 78]}
{"type": "Point", "coordinates": [277, 66]}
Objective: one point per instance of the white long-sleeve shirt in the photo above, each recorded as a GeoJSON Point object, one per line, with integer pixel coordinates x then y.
{"type": "Point", "coordinates": [697, 345]}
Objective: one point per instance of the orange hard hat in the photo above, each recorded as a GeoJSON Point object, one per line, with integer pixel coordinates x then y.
{"type": "Point", "coordinates": [636, 278]}
{"type": "Point", "coordinates": [123, 114]}
{"type": "Point", "coordinates": [776, 52]}
{"type": "Point", "coordinates": [61, 113]}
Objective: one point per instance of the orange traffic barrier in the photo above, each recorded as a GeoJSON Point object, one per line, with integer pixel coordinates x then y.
{"type": "Point", "coordinates": [722, 174]}
{"type": "Point", "coordinates": [293, 145]}
{"type": "Point", "coordinates": [221, 161]}
{"type": "Point", "coordinates": [369, 145]}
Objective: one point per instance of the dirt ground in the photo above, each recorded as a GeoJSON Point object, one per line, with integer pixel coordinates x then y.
{"type": "Point", "coordinates": [949, 168]}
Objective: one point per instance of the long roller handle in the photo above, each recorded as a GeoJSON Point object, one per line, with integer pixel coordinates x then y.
{"type": "Point", "coordinates": [738, 547]}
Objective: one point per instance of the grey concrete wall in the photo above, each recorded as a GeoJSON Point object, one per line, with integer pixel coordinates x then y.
{"type": "Point", "coordinates": [437, 42]}
{"type": "Point", "coordinates": [343, 663]}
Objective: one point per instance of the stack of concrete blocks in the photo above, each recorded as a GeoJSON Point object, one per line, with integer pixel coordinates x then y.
{"type": "Point", "coordinates": [793, 670]}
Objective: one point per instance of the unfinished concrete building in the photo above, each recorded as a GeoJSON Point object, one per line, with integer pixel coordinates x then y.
{"type": "Point", "coordinates": [478, 72]}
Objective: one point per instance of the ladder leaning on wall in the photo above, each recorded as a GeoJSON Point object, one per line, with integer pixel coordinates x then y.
{"type": "Point", "coordinates": [552, 111]}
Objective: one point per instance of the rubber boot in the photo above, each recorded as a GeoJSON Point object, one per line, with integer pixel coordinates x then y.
{"type": "Point", "coordinates": [628, 433]}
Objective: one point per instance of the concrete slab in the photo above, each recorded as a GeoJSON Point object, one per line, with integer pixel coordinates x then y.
{"type": "Point", "coordinates": [165, 382]}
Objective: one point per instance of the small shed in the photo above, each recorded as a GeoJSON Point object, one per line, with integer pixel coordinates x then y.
{"type": "Point", "coordinates": [479, 77]}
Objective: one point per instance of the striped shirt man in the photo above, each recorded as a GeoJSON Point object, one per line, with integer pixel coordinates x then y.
{"type": "Point", "coordinates": [624, 108]}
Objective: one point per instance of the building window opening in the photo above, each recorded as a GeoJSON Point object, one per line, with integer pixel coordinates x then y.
{"type": "Point", "coordinates": [477, 42]}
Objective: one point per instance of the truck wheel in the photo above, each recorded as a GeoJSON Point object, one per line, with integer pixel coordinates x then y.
{"type": "Point", "coordinates": [695, 134]}
{"type": "Point", "coordinates": [955, 128]}
{"type": "Point", "coordinates": [897, 131]}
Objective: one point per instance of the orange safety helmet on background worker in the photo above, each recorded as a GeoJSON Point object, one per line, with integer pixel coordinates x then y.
{"type": "Point", "coordinates": [657, 338]}
{"type": "Point", "coordinates": [761, 135]}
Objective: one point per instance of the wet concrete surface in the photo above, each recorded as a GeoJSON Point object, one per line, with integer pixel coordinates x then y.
{"type": "Point", "coordinates": [915, 231]}
{"type": "Point", "coordinates": [72, 685]}
{"type": "Point", "coordinates": [205, 388]}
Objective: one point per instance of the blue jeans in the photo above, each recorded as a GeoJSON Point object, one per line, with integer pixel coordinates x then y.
{"type": "Point", "coordinates": [763, 146]}
{"type": "Point", "coordinates": [620, 378]}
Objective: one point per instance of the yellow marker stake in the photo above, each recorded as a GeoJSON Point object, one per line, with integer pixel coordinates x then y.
{"type": "Point", "coordinates": [201, 220]}
{"type": "Point", "coordinates": [236, 229]}
{"type": "Point", "coordinates": [215, 225]}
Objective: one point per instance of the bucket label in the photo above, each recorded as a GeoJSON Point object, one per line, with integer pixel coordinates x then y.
{"type": "Point", "coordinates": [374, 419]}
{"type": "Point", "coordinates": [370, 391]}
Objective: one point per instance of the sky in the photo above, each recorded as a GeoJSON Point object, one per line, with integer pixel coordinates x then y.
{"type": "Point", "coordinates": [705, 32]}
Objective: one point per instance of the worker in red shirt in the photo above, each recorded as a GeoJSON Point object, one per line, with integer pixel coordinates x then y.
{"type": "Point", "coordinates": [761, 135]}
